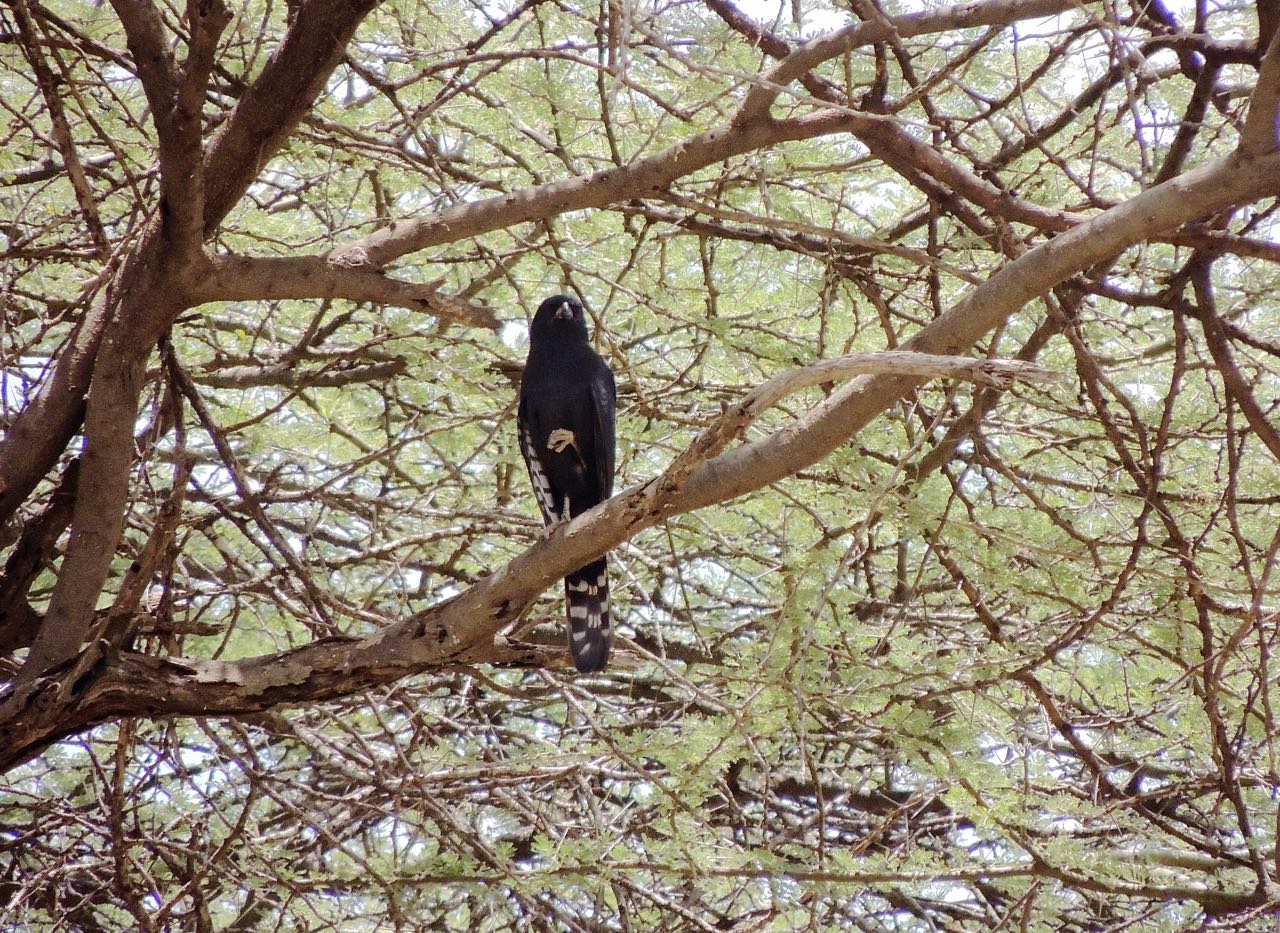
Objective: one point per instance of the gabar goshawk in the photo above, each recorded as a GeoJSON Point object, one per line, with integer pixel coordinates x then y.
{"type": "Point", "coordinates": [566, 423]}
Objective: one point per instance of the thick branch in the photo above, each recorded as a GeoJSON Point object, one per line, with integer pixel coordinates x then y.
{"type": "Point", "coordinates": [464, 629]}
{"type": "Point", "coordinates": [145, 35]}
{"type": "Point", "coordinates": [34, 551]}
{"type": "Point", "coordinates": [921, 165]}
{"type": "Point", "coordinates": [101, 495]}
{"type": "Point", "coordinates": [737, 418]}
{"type": "Point", "coordinates": [30, 448]}
{"type": "Point", "coordinates": [1198, 193]}
{"type": "Point", "coordinates": [608, 186]}
{"type": "Point", "coordinates": [263, 119]}
{"type": "Point", "coordinates": [1262, 126]}
{"type": "Point", "coordinates": [826, 47]}
{"type": "Point", "coordinates": [460, 630]}
{"type": "Point", "coordinates": [746, 132]}
{"type": "Point", "coordinates": [176, 100]}
{"type": "Point", "coordinates": [270, 109]}
{"type": "Point", "coordinates": [243, 278]}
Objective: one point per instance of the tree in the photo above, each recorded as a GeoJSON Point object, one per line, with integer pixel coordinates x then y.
{"type": "Point", "coordinates": [271, 615]}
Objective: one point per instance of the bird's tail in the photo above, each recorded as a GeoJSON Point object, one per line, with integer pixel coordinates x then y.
{"type": "Point", "coordinates": [586, 593]}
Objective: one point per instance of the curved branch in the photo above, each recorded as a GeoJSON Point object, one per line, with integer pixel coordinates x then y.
{"type": "Point", "coordinates": [1215, 337]}
{"type": "Point", "coordinates": [737, 418]}
{"type": "Point", "coordinates": [467, 628]}
{"type": "Point", "coordinates": [1204, 191]}
{"type": "Point", "coordinates": [245, 278]}
{"type": "Point", "coordinates": [922, 166]}
{"type": "Point", "coordinates": [749, 129]}
{"type": "Point", "coordinates": [825, 47]}
{"type": "Point", "coordinates": [599, 189]}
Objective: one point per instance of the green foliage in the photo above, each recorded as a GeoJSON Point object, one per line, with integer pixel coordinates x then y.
{"type": "Point", "coordinates": [1019, 675]}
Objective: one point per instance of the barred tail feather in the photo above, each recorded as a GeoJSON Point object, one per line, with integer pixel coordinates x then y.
{"type": "Point", "coordinates": [587, 596]}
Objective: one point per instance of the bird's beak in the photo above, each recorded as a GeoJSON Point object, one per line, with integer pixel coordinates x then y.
{"type": "Point", "coordinates": [564, 312]}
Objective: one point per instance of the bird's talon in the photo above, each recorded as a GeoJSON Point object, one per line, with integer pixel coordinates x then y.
{"type": "Point", "coordinates": [561, 438]}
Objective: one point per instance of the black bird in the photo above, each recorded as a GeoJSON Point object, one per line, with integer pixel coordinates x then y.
{"type": "Point", "coordinates": [567, 405]}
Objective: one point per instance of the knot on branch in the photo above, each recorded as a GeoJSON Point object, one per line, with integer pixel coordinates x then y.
{"type": "Point", "coordinates": [350, 257]}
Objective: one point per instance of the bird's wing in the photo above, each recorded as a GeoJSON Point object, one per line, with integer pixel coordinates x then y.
{"type": "Point", "coordinates": [604, 395]}
{"type": "Point", "coordinates": [537, 473]}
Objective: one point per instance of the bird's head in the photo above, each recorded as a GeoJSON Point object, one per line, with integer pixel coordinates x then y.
{"type": "Point", "coordinates": [560, 319]}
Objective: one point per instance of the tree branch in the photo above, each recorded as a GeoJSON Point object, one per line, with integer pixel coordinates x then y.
{"type": "Point", "coordinates": [1261, 132]}
{"type": "Point", "coordinates": [747, 131]}
{"type": "Point", "coordinates": [825, 47]}
{"type": "Point", "coordinates": [288, 374]}
{"type": "Point", "coordinates": [61, 129]}
{"type": "Point", "coordinates": [1195, 194]}
{"type": "Point", "coordinates": [599, 189]}
{"type": "Point", "coordinates": [461, 630]}
{"type": "Point", "coordinates": [40, 432]}
{"type": "Point", "coordinates": [738, 417]}
{"type": "Point", "coordinates": [244, 278]}
{"type": "Point", "coordinates": [1219, 346]}
{"type": "Point", "coordinates": [176, 101]}
{"type": "Point", "coordinates": [269, 110]}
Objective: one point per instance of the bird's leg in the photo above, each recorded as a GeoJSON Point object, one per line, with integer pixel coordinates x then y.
{"type": "Point", "coordinates": [561, 438]}
{"type": "Point", "coordinates": [559, 521]}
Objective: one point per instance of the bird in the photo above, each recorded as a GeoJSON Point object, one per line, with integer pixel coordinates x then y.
{"type": "Point", "coordinates": [566, 414]}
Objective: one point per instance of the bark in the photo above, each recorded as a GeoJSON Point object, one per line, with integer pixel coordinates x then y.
{"type": "Point", "coordinates": [258, 126]}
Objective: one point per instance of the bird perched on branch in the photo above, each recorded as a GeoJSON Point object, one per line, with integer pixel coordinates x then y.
{"type": "Point", "coordinates": [566, 418]}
